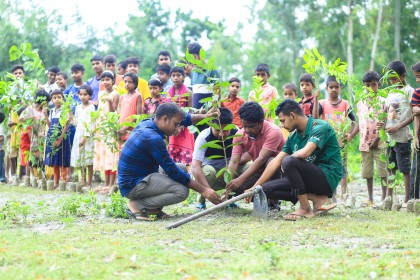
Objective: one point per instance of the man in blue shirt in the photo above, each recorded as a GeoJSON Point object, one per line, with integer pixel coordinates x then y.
{"type": "Point", "coordinates": [94, 82]}
{"type": "Point", "coordinates": [148, 190]}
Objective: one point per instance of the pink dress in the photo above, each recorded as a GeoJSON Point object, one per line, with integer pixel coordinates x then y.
{"type": "Point", "coordinates": [180, 147]}
{"type": "Point", "coordinates": [104, 158]}
{"type": "Point", "coordinates": [128, 107]}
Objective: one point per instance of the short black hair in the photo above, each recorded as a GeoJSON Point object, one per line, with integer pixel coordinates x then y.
{"type": "Point", "coordinates": [96, 57]}
{"type": "Point", "coordinates": [77, 67]}
{"type": "Point", "coordinates": [42, 96]}
{"type": "Point", "coordinates": [88, 89]}
{"type": "Point", "coordinates": [177, 69]}
{"type": "Point", "coordinates": [308, 78]}
{"type": "Point", "coordinates": [251, 112]}
{"type": "Point", "coordinates": [263, 67]}
{"type": "Point", "coordinates": [371, 76]}
{"type": "Point", "coordinates": [57, 92]}
{"type": "Point", "coordinates": [164, 68]}
{"type": "Point", "coordinates": [164, 53]}
{"type": "Point", "coordinates": [287, 106]}
{"type": "Point", "coordinates": [156, 82]}
{"type": "Point", "coordinates": [416, 67]}
{"type": "Point", "coordinates": [398, 67]}
{"type": "Point", "coordinates": [133, 60]}
{"type": "Point", "coordinates": [123, 64]}
{"type": "Point", "coordinates": [110, 58]}
{"type": "Point", "coordinates": [64, 75]}
{"type": "Point", "coordinates": [291, 86]}
{"type": "Point", "coordinates": [234, 79]}
{"type": "Point", "coordinates": [133, 77]}
{"type": "Point", "coordinates": [16, 67]}
{"type": "Point", "coordinates": [226, 116]}
{"type": "Point", "coordinates": [21, 109]}
{"type": "Point", "coordinates": [54, 69]}
{"type": "Point", "coordinates": [194, 48]}
{"type": "Point", "coordinates": [2, 117]}
{"type": "Point", "coordinates": [332, 79]}
{"type": "Point", "coordinates": [169, 109]}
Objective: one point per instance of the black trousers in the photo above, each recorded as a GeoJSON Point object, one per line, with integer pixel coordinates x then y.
{"type": "Point", "coordinates": [300, 177]}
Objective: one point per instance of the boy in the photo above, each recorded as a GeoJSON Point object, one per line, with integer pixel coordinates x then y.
{"type": "Point", "coordinates": [415, 169]}
{"type": "Point", "coordinates": [370, 145]}
{"type": "Point", "coordinates": [110, 61]}
{"type": "Point", "coordinates": [77, 72]}
{"type": "Point", "coordinates": [133, 66]}
{"type": "Point", "coordinates": [62, 80]}
{"type": "Point", "coordinates": [162, 72]}
{"type": "Point", "coordinates": [200, 82]}
{"type": "Point", "coordinates": [19, 87]}
{"type": "Point", "coordinates": [233, 101]}
{"type": "Point", "coordinates": [290, 91]}
{"type": "Point", "coordinates": [307, 84]}
{"type": "Point", "coordinates": [51, 83]}
{"type": "Point", "coordinates": [397, 126]}
{"type": "Point", "coordinates": [94, 82]}
{"type": "Point", "coordinates": [269, 92]}
{"type": "Point", "coordinates": [164, 58]}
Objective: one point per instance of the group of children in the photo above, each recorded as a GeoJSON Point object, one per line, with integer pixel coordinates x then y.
{"type": "Point", "coordinates": [73, 140]}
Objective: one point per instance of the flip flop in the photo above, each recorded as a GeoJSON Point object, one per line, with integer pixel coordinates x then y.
{"type": "Point", "coordinates": [325, 208]}
{"type": "Point", "coordinates": [138, 216]}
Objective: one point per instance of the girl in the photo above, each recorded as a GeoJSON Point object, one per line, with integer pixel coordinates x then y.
{"type": "Point", "coordinates": [106, 160]}
{"type": "Point", "coordinates": [234, 102]}
{"type": "Point", "coordinates": [82, 150]}
{"type": "Point", "coordinates": [130, 104]}
{"type": "Point", "coordinates": [180, 146]}
{"type": "Point", "coordinates": [33, 119]}
{"type": "Point", "coordinates": [57, 153]}
{"type": "Point", "coordinates": [152, 103]}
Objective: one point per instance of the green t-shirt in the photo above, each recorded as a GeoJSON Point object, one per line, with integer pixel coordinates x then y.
{"type": "Point", "coordinates": [326, 156]}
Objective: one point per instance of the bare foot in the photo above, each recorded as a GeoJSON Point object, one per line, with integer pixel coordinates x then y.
{"type": "Point", "coordinates": [317, 200]}
{"type": "Point", "coordinates": [300, 213]}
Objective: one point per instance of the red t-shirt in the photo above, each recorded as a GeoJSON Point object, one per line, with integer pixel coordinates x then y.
{"type": "Point", "coordinates": [270, 138]}
{"type": "Point", "coordinates": [234, 105]}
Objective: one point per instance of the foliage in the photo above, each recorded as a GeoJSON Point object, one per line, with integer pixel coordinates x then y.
{"type": "Point", "coordinates": [14, 210]}
{"type": "Point", "coordinates": [116, 208]}
{"type": "Point", "coordinates": [79, 205]}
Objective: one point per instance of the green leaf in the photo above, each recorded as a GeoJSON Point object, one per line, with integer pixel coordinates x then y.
{"type": "Point", "coordinates": [233, 136]}
{"type": "Point", "coordinates": [391, 165]}
{"type": "Point", "coordinates": [207, 99]}
{"type": "Point", "coordinates": [392, 143]}
{"type": "Point", "coordinates": [382, 157]}
{"type": "Point", "coordinates": [14, 53]}
{"type": "Point", "coordinates": [202, 54]}
{"type": "Point", "coordinates": [220, 172]}
{"type": "Point", "coordinates": [227, 176]}
{"type": "Point", "coordinates": [215, 157]}
{"type": "Point", "coordinates": [211, 145]}
{"type": "Point", "coordinates": [234, 144]}
{"type": "Point", "coordinates": [224, 84]}
{"type": "Point", "coordinates": [205, 121]}
{"type": "Point", "coordinates": [391, 178]}
{"type": "Point", "coordinates": [229, 127]}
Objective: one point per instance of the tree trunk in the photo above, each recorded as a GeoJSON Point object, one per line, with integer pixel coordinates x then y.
{"type": "Point", "coordinates": [349, 46]}
{"type": "Point", "coordinates": [376, 38]}
{"type": "Point", "coordinates": [397, 37]}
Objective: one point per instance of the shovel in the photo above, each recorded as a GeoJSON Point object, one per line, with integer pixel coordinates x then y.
{"type": "Point", "coordinates": [260, 207]}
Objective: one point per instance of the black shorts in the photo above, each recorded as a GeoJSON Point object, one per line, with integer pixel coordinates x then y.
{"type": "Point", "coordinates": [400, 154]}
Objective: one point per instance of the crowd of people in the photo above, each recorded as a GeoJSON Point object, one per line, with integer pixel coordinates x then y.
{"type": "Point", "coordinates": [157, 162]}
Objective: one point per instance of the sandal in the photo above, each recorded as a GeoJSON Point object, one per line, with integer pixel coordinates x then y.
{"type": "Point", "coordinates": [139, 216]}
{"type": "Point", "coordinates": [162, 215]}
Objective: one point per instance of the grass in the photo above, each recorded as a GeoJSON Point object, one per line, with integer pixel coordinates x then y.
{"type": "Point", "coordinates": [345, 244]}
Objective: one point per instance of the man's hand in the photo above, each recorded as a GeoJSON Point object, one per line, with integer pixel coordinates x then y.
{"type": "Point", "coordinates": [348, 137]}
{"type": "Point", "coordinates": [249, 199]}
{"type": "Point", "coordinates": [380, 125]}
{"type": "Point", "coordinates": [58, 142]}
{"type": "Point", "coordinates": [234, 184]}
{"type": "Point", "coordinates": [212, 113]}
{"type": "Point", "coordinates": [317, 94]}
{"type": "Point", "coordinates": [374, 144]}
{"type": "Point", "coordinates": [212, 196]}
{"type": "Point", "coordinates": [82, 142]}
{"type": "Point", "coordinates": [393, 129]}
{"type": "Point", "coordinates": [416, 143]}
{"type": "Point", "coordinates": [416, 110]}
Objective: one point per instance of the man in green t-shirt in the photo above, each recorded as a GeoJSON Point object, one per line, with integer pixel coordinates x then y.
{"type": "Point", "coordinates": [310, 160]}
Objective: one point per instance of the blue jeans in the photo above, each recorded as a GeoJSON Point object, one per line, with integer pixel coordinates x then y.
{"type": "Point", "coordinates": [2, 175]}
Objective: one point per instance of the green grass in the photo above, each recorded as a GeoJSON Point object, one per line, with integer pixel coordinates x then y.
{"type": "Point", "coordinates": [346, 244]}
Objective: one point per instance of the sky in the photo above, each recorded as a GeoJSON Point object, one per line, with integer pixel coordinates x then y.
{"type": "Point", "coordinates": [109, 12]}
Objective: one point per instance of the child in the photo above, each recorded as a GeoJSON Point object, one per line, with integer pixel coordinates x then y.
{"type": "Point", "coordinates": [94, 82]}
{"type": "Point", "coordinates": [24, 146]}
{"type": "Point", "coordinates": [151, 104]}
{"type": "Point", "coordinates": [121, 68]}
{"type": "Point", "coordinates": [335, 111]}
{"type": "Point", "coordinates": [307, 84]}
{"type": "Point", "coordinates": [415, 169]}
{"type": "Point", "coordinates": [163, 75]}
{"type": "Point", "coordinates": [289, 92]}
{"type": "Point", "coordinates": [370, 145]}
{"type": "Point", "coordinates": [51, 83]}
{"type": "Point", "coordinates": [133, 66]}
{"type": "Point", "coordinates": [164, 58]}
{"type": "Point", "coordinates": [106, 160]}
{"type": "Point", "coordinates": [397, 126]}
{"type": "Point", "coordinates": [58, 149]}
{"type": "Point", "coordinates": [82, 150]}
{"type": "Point", "coordinates": [110, 61]}
{"type": "Point", "coordinates": [180, 146]}
{"type": "Point", "coordinates": [130, 103]}
{"type": "Point", "coordinates": [62, 80]}
{"type": "Point", "coordinates": [234, 102]}
{"type": "Point", "coordinates": [269, 92]}
{"type": "Point", "coordinates": [33, 119]}
{"type": "Point", "coordinates": [2, 173]}
{"type": "Point", "coordinates": [13, 143]}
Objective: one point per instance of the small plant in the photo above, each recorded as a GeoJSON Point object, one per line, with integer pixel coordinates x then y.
{"type": "Point", "coordinates": [14, 210]}
{"type": "Point", "coordinates": [116, 208]}
{"type": "Point", "coordinates": [71, 205]}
